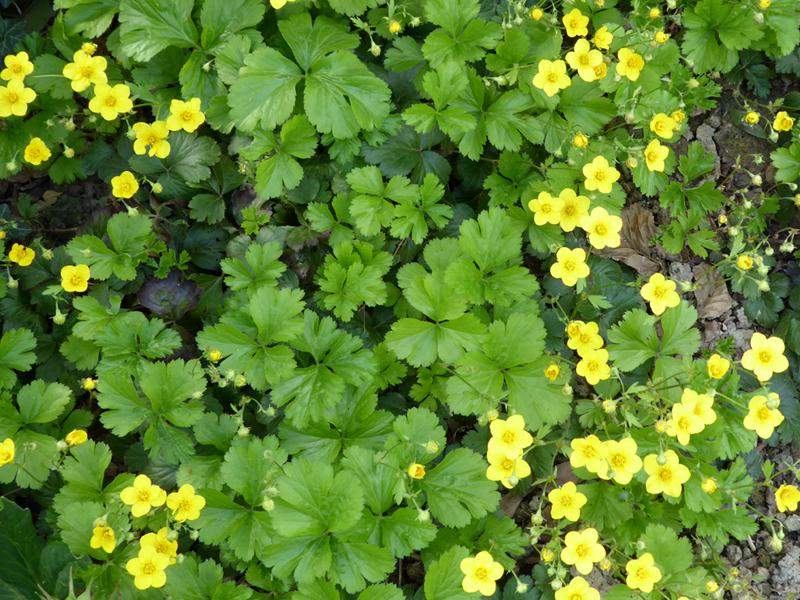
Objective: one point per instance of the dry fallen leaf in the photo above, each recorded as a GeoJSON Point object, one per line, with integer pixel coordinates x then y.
{"type": "Point", "coordinates": [638, 228]}
{"type": "Point", "coordinates": [711, 293]}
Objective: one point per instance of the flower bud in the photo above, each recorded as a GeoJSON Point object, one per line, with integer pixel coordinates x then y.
{"type": "Point", "coordinates": [156, 187]}
{"type": "Point", "coordinates": [69, 152]}
{"type": "Point", "coordinates": [522, 587]}
{"type": "Point", "coordinates": [758, 18]}
{"type": "Point", "coordinates": [374, 49]}
{"type": "Point", "coordinates": [711, 586]}
{"type": "Point", "coordinates": [194, 534]}
{"type": "Point", "coordinates": [268, 504]}
{"type": "Point", "coordinates": [756, 180]}
{"type": "Point", "coordinates": [566, 389]}
{"type": "Point", "coordinates": [59, 318]}
{"type": "Point", "coordinates": [769, 251]}
{"type": "Point", "coordinates": [69, 125]}
{"type": "Point", "coordinates": [423, 516]}
{"type": "Point", "coordinates": [537, 519]}
{"type": "Point", "coordinates": [11, 166]}
{"type": "Point", "coordinates": [693, 83]}
{"type": "Point", "coordinates": [733, 231]}
{"type": "Point", "coordinates": [431, 446]}
{"type": "Point", "coordinates": [556, 584]}
{"type": "Point", "coordinates": [763, 285]}
{"type": "Point", "coordinates": [243, 431]}
{"type": "Point", "coordinates": [414, 22]}
{"type": "Point", "coordinates": [661, 460]}
{"type": "Point", "coordinates": [62, 445]}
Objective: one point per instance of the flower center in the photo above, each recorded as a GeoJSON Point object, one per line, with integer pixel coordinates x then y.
{"type": "Point", "coordinates": [507, 464]}
{"type": "Point", "coordinates": [149, 568]}
{"type": "Point", "coordinates": [111, 101]}
{"type": "Point", "coordinates": [583, 59]}
{"type": "Point", "coordinates": [570, 266]}
{"type": "Point", "coordinates": [619, 461]}
{"type": "Point", "coordinates": [185, 505]}
{"type": "Point", "coordinates": [76, 280]}
{"type": "Point", "coordinates": [87, 72]}
{"type": "Point", "coordinates": [161, 547]}
{"type": "Point", "coordinates": [641, 573]}
{"type": "Point", "coordinates": [17, 68]}
{"type": "Point", "coordinates": [593, 366]}
{"type": "Point", "coordinates": [509, 437]}
{"type": "Point", "coordinates": [765, 356]}
{"type": "Point", "coordinates": [13, 97]}
{"type": "Point", "coordinates": [590, 451]}
{"type": "Point", "coordinates": [665, 474]}
{"type": "Point", "coordinates": [552, 77]}
{"type": "Point", "coordinates": [600, 228]}
{"type": "Point", "coordinates": [481, 573]}
{"type": "Point", "coordinates": [763, 413]}
{"type": "Point", "coordinates": [569, 210]}
{"type": "Point", "coordinates": [143, 496]}
{"type": "Point", "coordinates": [152, 139]}
{"type": "Point", "coordinates": [582, 550]}
{"type": "Point", "coordinates": [633, 63]}
{"type": "Point", "coordinates": [186, 116]}
{"type": "Point", "coordinates": [683, 424]}
{"type": "Point", "coordinates": [566, 501]}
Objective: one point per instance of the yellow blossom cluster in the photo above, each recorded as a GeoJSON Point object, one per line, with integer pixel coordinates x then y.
{"type": "Point", "coordinates": [505, 451]}
{"type": "Point", "coordinates": [14, 96]}
{"type": "Point", "coordinates": [690, 416]}
{"type": "Point", "coordinates": [585, 339]}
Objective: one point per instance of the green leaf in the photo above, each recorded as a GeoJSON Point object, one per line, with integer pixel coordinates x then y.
{"type": "Point", "coordinates": [696, 162]}
{"type": "Point", "coordinates": [251, 466]}
{"type": "Point", "coordinates": [261, 267]}
{"type": "Point", "coordinates": [224, 522]}
{"type": "Point", "coordinates": [149, 26]}
{"type": "Point", "coordinates": [633, 340]}
{"type": "Point", "coordinates": [253, 338]}
{"type": "Point", "coordinates": [606, 505]}
{"type": "Point", "coordinates": [457, 490]}
{"type": "Point", "coordinates": [460, 37]}
{"type": "Point", "coordinates": [16, 354]}
{"type": "Point", "coordinates": [443, 576]}
{"type": "Point", "coordinates": [42, 403]}
{"type": "Point", "coordinates": [351, 8]}
{"type": "Point", "coordinates": [190, 160]}
{"type": "Point", "coordinates": [264, 94]}
{"type": "Point", "coordinates": [586, 107]}
{"type": "Point", "coordinates": [673, 555]}
{"type": "Point", "coordinates": [89, 17]}
{"type": "Point", "coordinates": [169, 399]}
{"type": "Point", "coordinates": [680, 336]}
{"type": "Point", "coordinates": [281, 171]}
{"type": "Point", "coordinates": [337, 359]}
{"type": "Point", "coordinates": [356, 563]}
{"type": "Point", "coordinates": [411, 217]}
{"type": "Point", "coordinates": [36, 455]}
{"type": "Point", "coordinates": [193, 580]}
{"type": "Point", "coordinates": [384, 591]}
{"type": "Point", "coordinates": [421, 342]}
{"type": "Point", "coordinates": [787, 163]}
{"type": "Point", "coordinates": [83, 472]}
{"type": "Point", "coordinates": [220, 19]}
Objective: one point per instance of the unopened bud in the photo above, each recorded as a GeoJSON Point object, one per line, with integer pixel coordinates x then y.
{"type": "Point", "coordinates": [693, 83]}
{"type": "Point", "coordinates": [59, 318]}
{"type": "Point", "coordinates": [243, 431]}
{"type": "Point", "coordinates": [423, 516]}
{"type": "Point", "coordinates": [756, 180]}
{"type": "Point", "coordinates": [763, 285]}
{"type": "Point", "coordinates": [374, 49]}
{"type": "Point", "coordinates": [69, 152]}
{"type": "Point", "coordinates": [268, 504]}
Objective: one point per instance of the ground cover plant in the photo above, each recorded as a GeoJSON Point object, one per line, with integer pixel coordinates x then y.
{"type": "Point", "coordinates": [386, 299]}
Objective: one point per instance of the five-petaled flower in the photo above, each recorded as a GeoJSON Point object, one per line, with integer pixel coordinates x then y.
{"type": "Point", "coordinates": [17, 67]}
{"type": "Point", "coordinates": [582, 550]}
{"type": "Point", "coordinates": [142, 496]}
{"type": "Point", "coordinates": [21, 255]}
{"type": "Point", "coordinates": [663, 126]}
{"type": "Point", "coordinates": [575, 23]}
{"type": "Point", "coordinates": [642, 573]}
{"type": "Point", "coordinates": [85, 70]}
{"type": "Point", "coordinates": [109, 102]}
{"type": "Point", "coordinates": [630, 64]}
{"type": "Point", "coordinates": [551, 76]}
{"type": "Point", "coordinates": [7, 452]}
{"type": "Point", "coordinates": [655, 155]}
{"type": "Point", "coordinates": [623, 461]}
{"type": "Point", "coordinates": [765, 356]}
{"type": "Point", "coordinates": [570, 266]}
{"type": "Point", "coordinates": [600, 175]}
{"type": "Point", "coordinates": [36, 152]}
{"type": "Point", "coordinates": [416, 471]}
{"type": "Point", "coordinates": [124, 185]}
{"type": "Point", "coordinates": [103, 537]}
{"type": "Point", "coordinates": [75, 278]}
{"type": "Point", "coordinates": [603, 228]}
{"type": "Point", "coordinates": [577, 589]}
{"type": "Point", "coordinates": [481, 573]}
{"type": "Point", "coordinates": [185, 116]}
{"type": "Point", "coordinates": [660, 293]}
{"type": "Point", "coordinates": [566, 502]}
{"type": "Point", "coordinates": [185, 504]}
{"type": "Point", "coordinates": [763, 415]}
{"type": "Point", "coordinates": [583, 58]}
{"type": "Point", "coordinates": [14, 99]}
{"type": "Point", "coordinates": [787, 498]}
{"type": "Point", "coordinates": [666, 474]}
{"type": "Point", "coordinates": [148, 569]}
{"type": "Point", "coordinates": [153, 135]}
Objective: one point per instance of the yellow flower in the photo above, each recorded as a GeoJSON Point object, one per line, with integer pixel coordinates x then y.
{"type": "Point", "coordinates": [88, 384]}
{"type": "Point", "coordinates": [654, 156]}
{"type": "Point", "coordinates": [787, 497]}
{"type": "Point", "coordinates": [700, 405]}
{"type": "Point", "coordinates": [711, 586]}
{"type": "Point", "coordinates": [88, 48]}
{"type": "Point", "coordinates": [666, 475]}
{"type": "Point", "coordinates": [660, 293]}
{"type": "Point", "coordinates": [185, 504]}
{"type": "Point", "coordinates": [7, 451]}
{"type": "Point", "coordinates": [505, 468]}
{"type": "Point", "coordinates": [593, 366]}
{"type": "Point", "coordinates": [765, 356]}
{"type": "Point", "coordinates": [661, 36]}
{"type": "Point", "coordinates": [187, 115]}
{"type": "Point", "coordinates": [603, 38]}
{"type": "Point", "coordinates": [76, 437]}
{"type": "Point", "coordinates": [663, 126]}
{"type": "Point", "coordinates": [744, 262]}
{"type": "Point", "coordinates": [547, 555]}
{"type": "Point", "coordinates": [394, 27]}
{"type": "Point", "coordinates": [573, 209]}
{"type": "Point", "coordinates": [582, 550]}
{"type": "Point", "coordinates": [683, 424]}
{"type": "Point", "coordinates": [584, 59]}
{"type": "Point", "coordinates": [678, 116]}
{"type": "Point", "coordinates": [763, 415]}
{"type": "Point", "coordinates": [142, 496]}
{"type": "Point", "coordinates": [161, 543]}
{"type": "Point", "coordinates": [642, 573]}
{"type": "Point", "coordinates": [764, 4]}
{"type": "Point", "coordinates": [153, 135]}
{"type": "Point", "coordinates": [546, 209]}
{"type": "Point", "coordinates": [709, 485]}
{"type": "Point", "coordinates": [623, 462]}
{"type": "Point", "coordinates": [552, 76]}
{"type": "Point", "coordinates": [573, 328]}
{"type": "Point", "coordinates": [580, 140]}
{"type": "Point", "coordinates": [21, 255]}
{"type": "Point", "coordinates": [600, 71]}
{"type": "Point", "coordinates": [537, 14]}
{"type": "Point", "coordinates": [783, 122]}
{"type": "Point", "coordinates": [416, 471]}
{"type": "Point", "coordinates": [103, 537]}
{"type": "Point", "coordinates": [654, 13]}
{"type": "Point", "coordinates": [566, 502]}
{"type": "Point", "coordinates": [575, 23]}
{"type": "Point", "coordinates": [587, 452]}
{"type": "Point", "coordinates": [480, 573]}
{"type": "Point", "coordinates": [214, 355]}
{"type": "Point", "coordinates": [603, 228]}
{"type": "Point", "coordinates": [551, 371]}
{"type": "Point", "coordinates": [509, 436]}
{"type": "Point", "coordinates": [717, 366]}
{"type": "Point", "coordinates": [577, 589]}
{"type": "Point", "coordinates": [75, 278]}
{"type": "Point", "coordinates": [36, 152]}
{"type": "Point", "coordinates": [600, 175]}
{"type": "Point", "coordinates": [18, 66]}
{"type": "Point", "coordinates": [278, 4]}
{"type": "Point", "coordinates": [570, 265]}
{"type": "Point", "coordinates": [630, 64]}
{"type": "Point", "coordinates": [752, 117]}
{"type": "Point", "coordinates": [110, 101]}
{"type": "Point", "coordinates": [148, 569]}
{"type": "Point", "coordinates": [85, 70]}
{"type": "Point", "coordinates": [124, 185]}
{"type": "Point", "coordinates": [585, 337]}
{"type": "Point", "coordinates": [14, 99]}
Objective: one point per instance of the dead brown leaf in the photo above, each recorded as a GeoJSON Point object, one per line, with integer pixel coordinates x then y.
{"type": "Point", "coordinates": [635, 250]}
{"type": "Point", "coordinates": [711, 293]}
